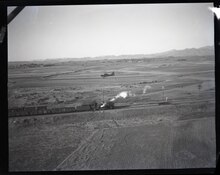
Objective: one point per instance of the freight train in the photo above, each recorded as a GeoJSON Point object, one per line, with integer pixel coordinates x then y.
{"type": "Point", "coordinates": [42, 110]}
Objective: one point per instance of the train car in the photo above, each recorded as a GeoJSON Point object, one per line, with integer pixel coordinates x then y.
{"type": "Point", "coordinates": [83, 108]}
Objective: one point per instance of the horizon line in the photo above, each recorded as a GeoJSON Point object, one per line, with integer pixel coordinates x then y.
{"type": "Point", "coordinates": [51, 59]}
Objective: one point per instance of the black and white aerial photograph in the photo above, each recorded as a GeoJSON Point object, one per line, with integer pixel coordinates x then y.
{"type": "Point", "coordinates": [111, 87]}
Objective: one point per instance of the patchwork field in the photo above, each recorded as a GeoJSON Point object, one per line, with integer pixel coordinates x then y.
{"type": "Point", "coordinates": [166, 121]}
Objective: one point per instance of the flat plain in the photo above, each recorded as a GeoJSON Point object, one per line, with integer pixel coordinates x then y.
{"type": "Point", "coordinates": [142, 132]}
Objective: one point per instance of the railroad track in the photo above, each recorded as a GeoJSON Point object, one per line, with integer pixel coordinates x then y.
{"type": "Point", "coordinates": [171, 102]}
{"type": "Point", "coordinates": [135, 106]}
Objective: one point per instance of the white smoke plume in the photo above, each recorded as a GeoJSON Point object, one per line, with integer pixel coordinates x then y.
{"type": "Point", "coordinates": [146, 88]}
{"type": "Point", "coordinates": [123, 94]}
{"type": "Point", "coordinates": [103, 105]}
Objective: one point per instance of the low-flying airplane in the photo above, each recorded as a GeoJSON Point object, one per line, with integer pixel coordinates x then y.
{"type": "Point", "coordinates": [108, 74]}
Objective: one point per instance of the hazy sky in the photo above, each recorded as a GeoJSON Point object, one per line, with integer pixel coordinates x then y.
{"type": "Point", "coordinates": [95, 30]}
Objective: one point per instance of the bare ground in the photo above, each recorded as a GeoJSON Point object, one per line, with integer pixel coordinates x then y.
{"type": "Point", "coordinates": [115, 139]}
{"type": "Point", "coordinates": [141, 135]}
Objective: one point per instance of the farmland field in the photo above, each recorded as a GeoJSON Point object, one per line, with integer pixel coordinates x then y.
{"type": "Point", "coordinates": [167, 119]}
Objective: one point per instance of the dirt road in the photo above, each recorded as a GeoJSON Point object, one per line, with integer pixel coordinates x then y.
{"type": "Point", "coordinates": [145, 144]}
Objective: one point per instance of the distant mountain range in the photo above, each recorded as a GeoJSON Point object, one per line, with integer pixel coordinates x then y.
{"type": "Point", "coordinates": [202, 51]}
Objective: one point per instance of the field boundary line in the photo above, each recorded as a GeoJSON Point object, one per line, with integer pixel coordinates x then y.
{"type": "Point", "coordinates": [82, 144]}
{"type": "Point", "coordinates": [195, 119]}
